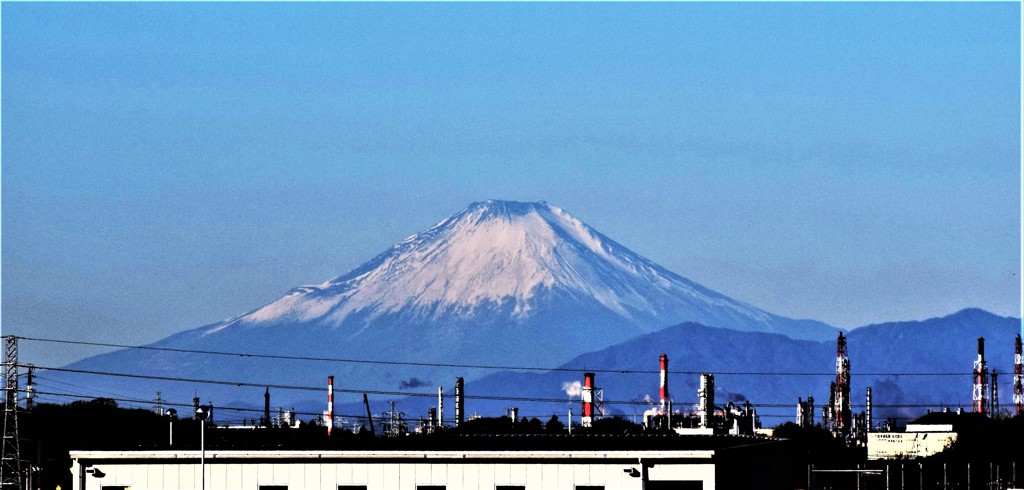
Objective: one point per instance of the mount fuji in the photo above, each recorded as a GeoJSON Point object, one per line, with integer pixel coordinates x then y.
{"type": "Point", "coordinates": [501, 282]}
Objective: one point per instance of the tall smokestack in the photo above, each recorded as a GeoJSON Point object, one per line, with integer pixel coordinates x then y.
{"type": "Point", "coordinates": [706, 395]}
{"type": "Point", "coordinates": [587, 420]}
{"type": "Point", "coordinates": [440, 407]}
{"type": "Point", "coordinates": [330, 404]}
{"type": "Point", "coordinates": [1018, 376]}
{"type": "Point", "coordinates": [266, 408]}
{"type": "Point", "coordinates": [980, 404]}
{"type": "Point", "coordinates": [810, 411]}
{"type": "Point", "coordinates": [663, 391]}
{"type": "Point", "coordinates": [867, 412]}
{"type": "Point", "coordinates": [841, 413]}
{"type": "Point", "coordinates": [459, 402]}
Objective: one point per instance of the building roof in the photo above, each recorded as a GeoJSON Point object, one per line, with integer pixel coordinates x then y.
{"type": "Point", "coordinates": [958, 422]}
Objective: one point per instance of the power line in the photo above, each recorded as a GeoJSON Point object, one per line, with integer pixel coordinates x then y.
{"type": "Point", "coordinates": [174, 404]}
{"type": "Point", "coordinates": [310, 388]}
{"type": "Point", "coordinates": [362, 416]}
{"type": "Point", "coordinates": [461, 366]}
{"type": "Point", "coordinates": [85, 389]}
{"type": "Point", "coordinates": [403, 394]}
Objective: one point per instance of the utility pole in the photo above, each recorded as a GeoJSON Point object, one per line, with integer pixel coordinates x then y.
{"type": "Point", "coordinates": [30, 389]}
{"type": "Point", "coordinates": [10, 470]}
{"type": "Point", "coordinates": [369, 416]}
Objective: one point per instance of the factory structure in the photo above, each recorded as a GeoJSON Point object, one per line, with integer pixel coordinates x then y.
{"type": "Point", "coordinates": [712, 447]}
{"type": "Point", "coordinates": [703, 445]}
{"type": "Point", "coordinates": [707, 418]}
{"type": "Point", "coordinates": [498, 462]}
{"type": "Point", "coordinates": [837, 414]}
{"type": "Point", "coordinates": [937, 431]}
{"type": "Point", "coordinates": [706, 448]}
{"type": "Point", "coordinates": [704, 418]}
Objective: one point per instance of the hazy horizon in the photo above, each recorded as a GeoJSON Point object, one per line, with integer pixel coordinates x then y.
{"type": "Point", "coordinates": [167, 166]}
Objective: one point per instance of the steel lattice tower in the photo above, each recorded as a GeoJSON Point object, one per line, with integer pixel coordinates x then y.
{"type": "Point", "coordinates": [1018, 377]}
{"type": "Point", "coordinates": [980, 404]}
{"type": "Point", "coordinates": [10, 471]}
{"type": "Point", "coordinates": [841, 413]}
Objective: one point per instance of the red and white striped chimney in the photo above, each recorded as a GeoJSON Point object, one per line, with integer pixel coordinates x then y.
{"type": "Point", "coordinates": [664, 383]}
{"type": "Point", "coordinates": [980, 404]}
{"type": "Point", "coordinates": [330, 404]}
{"type": "Point", "coordinates": [588, 400]}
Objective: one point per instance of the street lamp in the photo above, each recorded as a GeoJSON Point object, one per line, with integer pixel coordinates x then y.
{"type": "Point", "coordinates": [171, 415]}
{"type": "Point", "coordinates": [202, 413]}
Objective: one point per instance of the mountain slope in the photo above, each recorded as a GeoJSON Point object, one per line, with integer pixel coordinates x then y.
{"type": "Point", "coordinates": [937, 345]}
{"type": "Point", "coordinates": [509, 262]}
{"type": "Point", "coordinates": [523, 283]}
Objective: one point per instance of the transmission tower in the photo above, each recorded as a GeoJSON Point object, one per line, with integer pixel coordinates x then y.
{"type": "Point", "coordinates": [10, 471]}
{"type": "Point", "coordinates": [980, 404]}
{"type": "Point", "coordinates": [841, 413]}
{"type": "Point", "coordinates": [1018, 376]}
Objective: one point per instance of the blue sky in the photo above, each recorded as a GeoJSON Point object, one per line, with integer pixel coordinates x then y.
{"type": "Point", "coordinates": [170, 165]}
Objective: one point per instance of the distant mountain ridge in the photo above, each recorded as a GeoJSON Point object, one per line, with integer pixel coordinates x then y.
{"type": "Point", "coordinates": [523, 283]}
{"type": "Point", "coordinates": [941, 346]}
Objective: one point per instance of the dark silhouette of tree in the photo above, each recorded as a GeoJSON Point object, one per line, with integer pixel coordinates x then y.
{"type": "Point", "coordinates": [614, 425]}
{"type": "Point", "coordinates": [554, 426]}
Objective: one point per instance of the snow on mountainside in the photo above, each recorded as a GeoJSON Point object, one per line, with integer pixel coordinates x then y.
{"type": "Point", "coordinates": [519, 284]}
{"type": "Point", "coordinates": [500, 255]}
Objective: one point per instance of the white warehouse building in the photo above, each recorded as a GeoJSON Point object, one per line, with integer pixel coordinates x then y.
{"type": "Point", "coordinates": [731, 462]}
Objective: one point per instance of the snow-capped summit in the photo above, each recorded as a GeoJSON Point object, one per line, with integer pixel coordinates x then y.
{"type": "Point", "coordinates": [490, 255]}
{"type": "Point", "coordinates": [500, 262]}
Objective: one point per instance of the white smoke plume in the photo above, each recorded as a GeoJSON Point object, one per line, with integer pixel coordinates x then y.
{"type": "Point", "coordinates": [572, 388]}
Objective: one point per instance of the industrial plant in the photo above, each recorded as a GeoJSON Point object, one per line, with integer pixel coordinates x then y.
{"type": "Point", "coordinates": [702, 445]}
